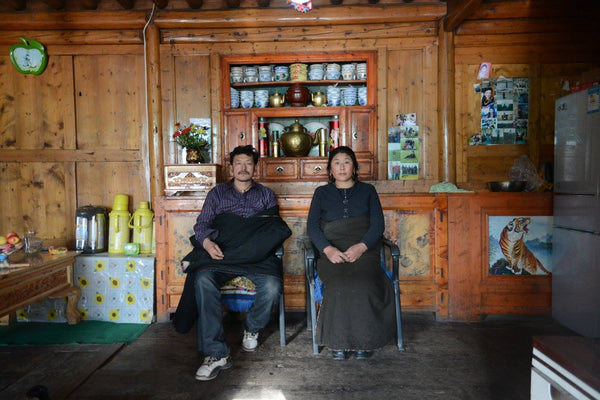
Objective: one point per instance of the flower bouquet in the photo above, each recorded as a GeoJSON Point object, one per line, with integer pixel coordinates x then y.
{"type": "Point", "coordinates": [194, 139]}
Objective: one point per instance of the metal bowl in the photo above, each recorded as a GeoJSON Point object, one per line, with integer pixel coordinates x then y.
{"type": "Point", "coordinates": [507, 186]}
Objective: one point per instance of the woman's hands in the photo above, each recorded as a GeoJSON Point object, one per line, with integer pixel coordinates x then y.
{"type": "Point", "coordinates": [355, 251]}
{"type": "Point", "coordinates": [352, 254]}
{"type": "Point", "coordinates": [213, 249]}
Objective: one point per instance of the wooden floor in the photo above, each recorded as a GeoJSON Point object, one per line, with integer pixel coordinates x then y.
{"type": "Point", "coordinates": [487, 360]}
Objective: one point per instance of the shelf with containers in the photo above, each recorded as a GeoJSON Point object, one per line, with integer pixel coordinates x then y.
{"type": "Point", "coordinates": [357, 123]}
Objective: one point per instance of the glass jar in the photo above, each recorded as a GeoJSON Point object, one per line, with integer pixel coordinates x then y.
{"type": "Point", "coordinates": [33, 244]}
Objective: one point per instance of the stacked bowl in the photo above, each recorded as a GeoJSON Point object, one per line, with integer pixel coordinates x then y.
{"type": "Point", "coordinates": [265, 73]}
{"type": "Point", "coordinates": [333, 96]}
{"type": "Point", "coordinates": [247, 98]}
{"type": "Point", "coordinates": [235, 98]}
{"type": "Point", "coordinates": [250, 74]}
{"type": "Point", "coordinates": [361, 71]}
{"type": "Point", "coordinates": [349, 72]}
{"type": "Point", "coordinates": [282, 73]}
{"type": "Point", "coordinates": [236, 74]}
{"type": "Point", "coordinates": [362, 96]}
{"type": "Point", "coordinates": [261, 98]}
{"type": "Point", "coordinates": [349, 94]}
{"type": "Point", "coordinates": [333, 71]}
{"type": "Point", "coordinates": [298, 72]}
{"type": "Point", "coordinates": [315, 72]}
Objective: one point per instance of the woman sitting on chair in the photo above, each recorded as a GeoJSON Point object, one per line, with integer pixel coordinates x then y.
{"type": "Point", "coordinates": [345, 223]}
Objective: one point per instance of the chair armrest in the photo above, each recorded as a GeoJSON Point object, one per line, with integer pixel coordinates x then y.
{"type": "Point", "coordinates": [309, 258]}
{"type": "Point", "coordinates": [279, 252]}
{"type": "Point", "coordinates": [395, 252]}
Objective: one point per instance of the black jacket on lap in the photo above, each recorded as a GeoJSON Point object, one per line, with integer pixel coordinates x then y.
{"type": "Point", "coordinates": [248, 245]}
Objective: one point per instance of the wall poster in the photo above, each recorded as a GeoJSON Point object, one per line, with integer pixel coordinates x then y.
{"type": "Point", "coordinates": [504, 111]}
{"type": "Point", "coordinates": [520, 245]}
{"type": "Point", "coordinates": [403, 148]}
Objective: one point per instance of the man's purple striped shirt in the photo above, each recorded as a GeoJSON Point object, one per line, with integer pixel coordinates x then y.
{"type": "Point", "coordinates": [224, 198]}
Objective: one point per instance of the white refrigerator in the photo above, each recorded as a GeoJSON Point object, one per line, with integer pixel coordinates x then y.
{"type": "Point", "coordinates": [576, 233]}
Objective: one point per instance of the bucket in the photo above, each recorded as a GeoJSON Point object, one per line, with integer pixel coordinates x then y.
{"type": "Point", "coordinates": [141, 223]}
{"type": "Point", "coordinates": [118, 224]}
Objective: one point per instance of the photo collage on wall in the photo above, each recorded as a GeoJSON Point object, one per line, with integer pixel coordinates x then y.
{"type": "Point", "coordinates": [504, 111]}
{"type": "Point", "coordinates": [403, 148]}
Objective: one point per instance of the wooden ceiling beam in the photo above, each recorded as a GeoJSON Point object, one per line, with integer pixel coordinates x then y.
{"type": "Point", "coordinates": [161, 3]}
{"type": "Point", "coordinates": [18, 5]}
{"type": "Point", "coordinates": [126, 4]}
{"type": "Point", "coordinates": [89, 4]}
{"type": "Point", "coordinates": [248, 17]}
{"type": "Point", "coordinates": [56, 4]}
{"type": "Point", "coordinates": [73, 20]}
{"type": "Point", "coordinates": [458, 11]}
{"type": "Point", "coordinates": [537, 9]}
{"type": "Point", "coordinates": [195, 4]}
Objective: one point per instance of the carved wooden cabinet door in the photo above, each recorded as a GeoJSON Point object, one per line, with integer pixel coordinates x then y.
{"type": "Point", "coordinates": [361, 131]}
{"type": "Point", "coordinates": [237, 130]}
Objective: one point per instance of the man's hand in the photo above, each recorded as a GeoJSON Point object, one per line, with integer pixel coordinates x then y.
{"type": "Point", "coordinates": [212, 249]}
{"type": "Point", "coordinates": [334, 255]}
{"type": "Point", "coordinates": [354, 252]}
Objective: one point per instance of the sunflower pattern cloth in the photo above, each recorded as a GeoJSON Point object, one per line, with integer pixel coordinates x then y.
{"type": "Point", "coordinates": [114, 288]}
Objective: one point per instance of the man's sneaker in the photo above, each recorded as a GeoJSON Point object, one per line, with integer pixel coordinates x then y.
{"type": "Point", "coordinates": [211, 366]}
{"type": "Point", "coordinates": [250, 341]}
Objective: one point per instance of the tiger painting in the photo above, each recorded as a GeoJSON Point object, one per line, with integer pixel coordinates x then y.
{"type": "Point", "coordinates": [515, 251]}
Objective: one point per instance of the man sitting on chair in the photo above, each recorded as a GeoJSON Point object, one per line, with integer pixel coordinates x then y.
{"type": "Point", "coordinates": [236, 234]}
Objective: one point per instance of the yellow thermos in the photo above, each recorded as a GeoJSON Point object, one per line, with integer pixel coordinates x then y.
{"type": "Point", "coordinates": [141, 223]}
{"type": "Point", "coordinates": [118, 224]}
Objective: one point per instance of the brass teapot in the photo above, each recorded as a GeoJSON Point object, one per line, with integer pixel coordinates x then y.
{"type": "Point", "coordinates": [318, 99]}
{"type": "Point", "coordinates": [297, 141]}
{"type": "Point", "coordinates": [276, 100]}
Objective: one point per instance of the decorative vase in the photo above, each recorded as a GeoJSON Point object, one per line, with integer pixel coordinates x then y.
{"type": "Point", "coordinates": [193, 156]}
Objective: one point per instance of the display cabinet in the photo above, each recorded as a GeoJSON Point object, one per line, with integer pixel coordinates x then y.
{"type": "Point", "coordinates": [357, 119]}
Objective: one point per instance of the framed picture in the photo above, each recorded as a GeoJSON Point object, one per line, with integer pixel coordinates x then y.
{"type": "Point", "coordinates": [520, 245]}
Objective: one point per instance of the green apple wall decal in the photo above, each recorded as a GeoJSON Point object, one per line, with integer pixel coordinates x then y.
{"type": "Point", "coordinates": [29, 57]}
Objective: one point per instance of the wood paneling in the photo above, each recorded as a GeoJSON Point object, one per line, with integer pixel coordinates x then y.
{"type": "Point", "coordinates": [37, 112]}
{"type": "Point", "coordinates": [479, 164]}
{"type": "Point", "coordinates": [35, 196]}
{"type": "Point", "coordinates": [473, 291]}
{"type": "Point", "coordinates": [109, 92]}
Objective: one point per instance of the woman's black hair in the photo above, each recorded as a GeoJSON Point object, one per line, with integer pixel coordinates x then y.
{"type": "Point", "coordinates": [345, 150]}
{"type": "Point", "coordinates": [247, 150]}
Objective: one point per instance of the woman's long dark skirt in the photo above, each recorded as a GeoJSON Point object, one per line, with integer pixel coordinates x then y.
{"type": "Point", "coordinates": [357, 311]}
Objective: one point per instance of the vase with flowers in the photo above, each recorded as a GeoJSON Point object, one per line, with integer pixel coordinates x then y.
{"type": "Point", "coordinates": [194, 139]}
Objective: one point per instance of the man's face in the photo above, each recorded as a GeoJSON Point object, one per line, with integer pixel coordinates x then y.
{"type": "Point", "coordinates": [243, 168]}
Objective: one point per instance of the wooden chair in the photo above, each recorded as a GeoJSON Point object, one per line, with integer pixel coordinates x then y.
{"type": "Point", "coordinates": [239, 293]}
{"type": "Point", "coordinates": [314, 287]}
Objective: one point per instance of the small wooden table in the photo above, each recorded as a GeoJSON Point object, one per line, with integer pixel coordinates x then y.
{"type": "Point", "coordinates": [41, 275]}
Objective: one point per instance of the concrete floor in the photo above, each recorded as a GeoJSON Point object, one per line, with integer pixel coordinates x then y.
{"type": "Point", "coordinates": [443, 360]}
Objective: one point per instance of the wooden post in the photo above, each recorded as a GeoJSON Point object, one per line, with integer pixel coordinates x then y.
{"type": "Point", "coordinates": [154, 107]}
{"type": "Point", "coordinates": [446, 101]}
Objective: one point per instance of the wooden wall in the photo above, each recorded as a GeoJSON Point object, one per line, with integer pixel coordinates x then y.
{"type": "Point", "coordinates": [98, 121]}
{"type": "Point", "coordinates": [549, 43]}
{"type": "Point", "coordinates": [74, 135]}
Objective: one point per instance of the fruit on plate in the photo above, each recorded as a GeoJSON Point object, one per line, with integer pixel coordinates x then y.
{"type": "Point", "coordinates": [14, 239]}
{"type": "Point", "coordinates": [3, 240]}
{"type": "Point", "coordinates": [11, 234]}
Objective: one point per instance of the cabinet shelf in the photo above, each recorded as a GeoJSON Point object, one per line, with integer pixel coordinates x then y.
{"type": "Point", "coordinates": [322, 82]}
{"type": "Point", "coordinates": [272, 112]}
{"type": "Point", "coordinates": [357, 123]}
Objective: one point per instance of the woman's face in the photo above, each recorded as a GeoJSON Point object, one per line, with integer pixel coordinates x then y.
{"type": "Point", "coordinates": [488, 94]}
{"type": "Point", "coordinates": [342, 168]}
